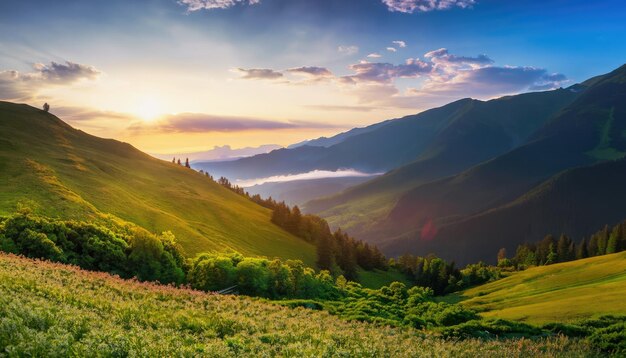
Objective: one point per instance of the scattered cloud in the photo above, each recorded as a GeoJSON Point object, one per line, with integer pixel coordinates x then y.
{"type": "Point", "coordinates": [348, 50]}
{"type": "Point", "coordinates": [442, 56]}
{"type": "Point", "coordinates": [399, 43]}
{"type": "Point", "coordinates": [386, 72]}
{"type": "Point", "coordinates": [374, 55]}
{"type": "Point", "coordinates": [413, 6]}
{"type": "Point", "coordinates": [195, 5]}
{"type": "Point", "coordinates": [258, 74]}
{"type": "Point", "coordinates": [203, 123]}
{"type": "Point", "coordinates": [311, 71]}
{"type": "Point", "coordinates": [15, 85]}
{"type": "Point", "coordinates": [391, 49]}
{"type": "Point", "coordinates": [341, 108]}
{"type": "Point", "coordinates": [440, 77]}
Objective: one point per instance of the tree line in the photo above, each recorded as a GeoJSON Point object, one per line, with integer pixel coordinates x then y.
{"type": "Point", "coordinates": [336, 251]}
{"type": "Point", "coordinates": [550, 250]}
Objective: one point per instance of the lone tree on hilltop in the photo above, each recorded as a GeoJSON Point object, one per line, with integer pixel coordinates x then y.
{"type": "Point", "coordinates": [46, 107]}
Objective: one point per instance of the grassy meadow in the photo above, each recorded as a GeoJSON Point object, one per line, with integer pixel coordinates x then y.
{"type": "Point", "coordinates": [51, 310]}
{"type": "Point", "coordinates": [564, 292]}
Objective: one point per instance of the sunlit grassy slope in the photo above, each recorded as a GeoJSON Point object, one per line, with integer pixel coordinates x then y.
{"type": "Point", "coordinates": [563, 292]}
{"type": "Point", "coordinates": [64, 172]}
{"type": "Point", "coordinates": [50, 310]}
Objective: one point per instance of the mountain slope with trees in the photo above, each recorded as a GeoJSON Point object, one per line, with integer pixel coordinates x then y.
{"type": "Point", "coordinates": [62, 172]}
{"type": "Point", "coordinates": [513, 198]}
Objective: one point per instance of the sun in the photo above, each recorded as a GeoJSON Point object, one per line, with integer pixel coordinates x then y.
{"type": "Point", "coordinates": [148, 109]}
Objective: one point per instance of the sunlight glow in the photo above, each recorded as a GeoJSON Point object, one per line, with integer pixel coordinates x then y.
{"type": "Point", "coordinates": [148, 109]}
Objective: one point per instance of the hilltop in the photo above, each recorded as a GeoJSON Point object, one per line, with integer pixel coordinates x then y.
{"type": "Point", "coordinates": [62, 172]}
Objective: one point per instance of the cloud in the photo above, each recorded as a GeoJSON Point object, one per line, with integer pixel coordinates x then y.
{"type": "Point", "coordinates": [391, 49]}
{"type": "Point", "coordinates": [412, 6]}
{"type": "Point", "coordinates": [65, 73]}
{"type": "Point", "coordinates": [386, 72]}
{"type": "Point", "coordinates": [348, 50]}
{"type": "Point", "coordinates": [442, 56]}
{"type": "Point", "coordinates": [311, 71]}
{"type": "Point", "coordinates": [439, 77]}
{"type": "Point", "coordinates": [399, 43]}
{"type": "Point", "coordinates": [340, 108]}
{"type": "Point", "coordinates": [195, 5]}
{"type": "Point", "coordinates": [203, 123]}
{"type": "Point", "coordinates": [15, 85]}
{"type": "Point", "coordinates": [374, 55]}
{"type": "Point", "coordinates": [314, 174]}
{"type": "Point", "coordinates": [258, 74]}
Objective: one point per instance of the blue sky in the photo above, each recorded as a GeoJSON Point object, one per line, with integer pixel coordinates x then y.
{"type": "Point", "coordinates": [146, 69]}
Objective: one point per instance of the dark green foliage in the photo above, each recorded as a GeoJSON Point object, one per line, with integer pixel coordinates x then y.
{"type": "Point", "coordinates": [606, 241]}
{"type": "Point", "coordinates": [338, 248]}
{"type": "Point", "coordinates": [260, 277]}
{"type": "Point", "coordinates": [442, 277]}
{"type": "Point", "coordinates": [127, 252]}
{"type": "Point", "coordinates": [491, 329]}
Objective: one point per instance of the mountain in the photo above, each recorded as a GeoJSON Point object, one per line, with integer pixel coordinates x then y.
{"type": "Point", "coordinates": [298, 192]}
{"type": "Point", "coordinates": [336, 139]}
{"type": "Point", "coordinates": [64, 172]}
{"type": "Point", "coordinates": [475, 132]}
{"type": "Point", "coordinates": [482, 129]}
{"type": "Point", "coordinates": [222, 153]}
{"type": "Point", "coordinates": [524, 194]}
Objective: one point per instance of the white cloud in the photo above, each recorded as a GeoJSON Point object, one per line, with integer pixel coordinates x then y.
{"type": "Point", "coordinates": [195, 5]}
{"type": "Point", "coordinates": [348, 50]}
{"type": "Point", "coordinates": [412, 6]}
{"type": "Point", "coordinates": [15, 85]}
{"type": "Point", "coordinates": [391, 49]}
{"type": "Point", "coordinates": [315, 174]}
{"type": "Point", "coordinates": [258, 73]}
{"type": "Point", "coordinates": [399, 43]}
{"type": "Point", "coordinates": [374, 55]}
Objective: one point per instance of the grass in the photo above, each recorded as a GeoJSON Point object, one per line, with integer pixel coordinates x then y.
{"type": "Point", "coordinates": [66, 173]}
{"type": "Point", "coordinates": [50, 309]}
{"type": "Point", "coordinates": [604, 151]}
{"type": "Point", "coordinates": [376, 279]}
{"type": "Point", "coordinates": [565, 292]}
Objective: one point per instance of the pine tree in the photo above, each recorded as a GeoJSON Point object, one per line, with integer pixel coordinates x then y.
{"type": "Point", "coordinates": [187, 163]}
{"type": "Point", "coordinates": [562, 248]}
{"type": "Point", "coordinates": [501, 254]}
{"type": "Point", "coordinates": [582, 252]}
{"type": "Point", "coordinates": [324, 253]}
{"type": "Point", "coordinates": [174, 160]}
{"type": "Point", "coordinates": [178, 161]}
{"type": "Point", "coordinates": [551, 257]}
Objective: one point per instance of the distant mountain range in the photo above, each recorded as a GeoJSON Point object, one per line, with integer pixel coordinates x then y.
{"type": "Point", "coordinates": [462, 176]}
{"type": "Point", "coordinates": [220, 153]}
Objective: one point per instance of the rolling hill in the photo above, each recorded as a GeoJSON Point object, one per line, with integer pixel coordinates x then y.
{"type": "Point", "coordinates": [64, 172]}
{"type": "Point", "coordinates": [565, 292]}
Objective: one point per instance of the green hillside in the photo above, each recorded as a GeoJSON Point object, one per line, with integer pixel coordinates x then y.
{"type": "Point", "coordinates": [50, 309]}
{"type": "Point", "coordinates": [565, 292]}
{"type": "Point", "coordinates": [63, 172]}
{"type": "Point", "coordinates": [469, 132]}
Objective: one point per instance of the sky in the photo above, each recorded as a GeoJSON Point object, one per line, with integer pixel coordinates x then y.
{"type": "Point", "coordinates": [174, 76]}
